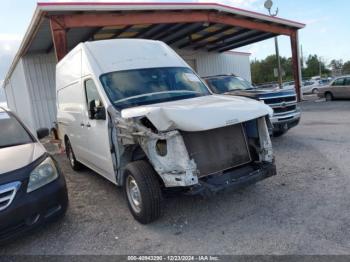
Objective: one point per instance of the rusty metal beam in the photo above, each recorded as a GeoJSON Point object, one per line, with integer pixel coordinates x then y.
{"type": "Point", "coordinates": [59, 37]}
{"type": "Point", "coordinates": [145, 31]}
{"type": "Point", "coordinates": [296, 63]}
{"type": "Point", "coordinates": [120, 31]}
{"type": "Point", "coordinates": [235, 39]}
{"type": "Point", "coordinates": [172, 30]}
{"type": "Point", "coordinates": [250, 40]}
{"type": "Point", "coordinates": [112, 19]}
{"type": "Point", "coordinates": [217, 32]}
{"type": "Point", "coordinates": [221, 39]}
{"type": "Point", "coordinates": [188, 33]}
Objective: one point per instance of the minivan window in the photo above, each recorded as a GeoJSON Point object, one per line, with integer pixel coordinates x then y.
{"type": "Point", "coordinates": [152, 85]}
{"type": "Point", "coordinates": [12, 133]}
{"type": "Point", "coordinates": [338, 82]}
{"type": "Point", "coordinates": [228, 84]}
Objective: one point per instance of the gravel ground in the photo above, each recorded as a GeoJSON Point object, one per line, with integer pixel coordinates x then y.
{"type": "Point", "coordinates": [303, 210]}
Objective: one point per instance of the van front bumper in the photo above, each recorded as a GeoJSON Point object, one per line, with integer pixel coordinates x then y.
{"type": "Point", "coordinates": [31, 210]}
{"type": "Point", "coordinates": [234, 179]}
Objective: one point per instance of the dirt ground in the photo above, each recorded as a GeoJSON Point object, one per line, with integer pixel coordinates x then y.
{"type": "Point", "coordinates": [303, 210]}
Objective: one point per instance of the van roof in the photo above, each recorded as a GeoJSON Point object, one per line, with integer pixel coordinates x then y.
{"type": "Point", "coordinates": [128, 54]}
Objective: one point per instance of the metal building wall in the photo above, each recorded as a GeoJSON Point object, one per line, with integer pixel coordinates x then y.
{"type": "Point", "coordinates": [18, 98]}
{"type": "Point", "coordinates": [208, 64]}
{"type": "Point", "coordinates": [40, 75]}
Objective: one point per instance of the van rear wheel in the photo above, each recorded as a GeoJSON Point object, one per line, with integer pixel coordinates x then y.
{"type": "Point", "coordinates": [75, 165]}
{"type": "Point", "coordinates": [142, 191]}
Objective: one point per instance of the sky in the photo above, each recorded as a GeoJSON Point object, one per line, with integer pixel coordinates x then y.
{"type": "Point", "coordinates": [326, 33]}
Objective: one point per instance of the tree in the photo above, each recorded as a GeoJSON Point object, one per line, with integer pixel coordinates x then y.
{"type": "Point", "coordinates": [263, 70]}
{"type": "Point", "coordinates": [313, 64]}
{"type": "Point", "coordinates": [346, 68]}
{"type": "Point", "coordinates": [336, 66]}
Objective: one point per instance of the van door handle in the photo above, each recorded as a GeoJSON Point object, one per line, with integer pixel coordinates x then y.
{"type": "Point", "coordinates": [88, 125]}
{"type": "Point", "coordinates": [82, 124]}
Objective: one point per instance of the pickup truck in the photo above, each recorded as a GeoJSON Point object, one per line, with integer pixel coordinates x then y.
{"type": "Point", "coordinates": [286, 112]}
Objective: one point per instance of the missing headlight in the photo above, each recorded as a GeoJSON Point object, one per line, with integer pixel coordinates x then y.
{"type": "Point", "coordinates": [161, 147]}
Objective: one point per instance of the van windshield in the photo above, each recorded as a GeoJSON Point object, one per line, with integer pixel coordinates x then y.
{"type": "Point", "coordinates": [12, 133]}
{"type": "Point", "coordinates": [152, 85]}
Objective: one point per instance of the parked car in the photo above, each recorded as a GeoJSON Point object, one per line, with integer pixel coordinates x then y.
{"type": "Point", "coordinates": [133, 111]}
{"type": "Point", "coordinates": [283, 102]}
{"type": "Point", "coordinates": [32, 187]}
{"type": "Point", "coordinates": [338, 88]}
{"type": "Point", "coordinates": [311, 86]}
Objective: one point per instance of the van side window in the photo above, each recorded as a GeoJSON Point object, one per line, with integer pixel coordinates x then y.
{"type": "Point", "coordinates": [92, 94]}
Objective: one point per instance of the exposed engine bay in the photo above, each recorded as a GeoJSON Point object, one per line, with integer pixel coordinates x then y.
{"type": "Point", "coordinates": [182, 158]}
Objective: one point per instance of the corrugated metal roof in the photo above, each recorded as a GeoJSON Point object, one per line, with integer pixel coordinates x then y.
{"type": "Point", "coordinates": [212, 36]}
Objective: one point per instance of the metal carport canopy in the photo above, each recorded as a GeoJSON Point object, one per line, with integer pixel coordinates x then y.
{"type": "Point", "coordinates": [207, 26]}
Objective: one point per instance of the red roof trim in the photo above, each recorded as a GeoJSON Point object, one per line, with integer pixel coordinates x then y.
{"type": "Point", "coordinates": [162, 4]}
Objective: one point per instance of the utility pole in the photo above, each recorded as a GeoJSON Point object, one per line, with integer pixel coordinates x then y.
{"type": "Point", "coordinates": [279, 68]}
{"type": "Point", "coordinates": [268, 5]}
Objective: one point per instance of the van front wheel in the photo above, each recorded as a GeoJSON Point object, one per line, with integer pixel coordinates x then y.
{"type": "Point", "coordinates": [75, 165]}
{"type": "Point", "coordinates": [142, 191]}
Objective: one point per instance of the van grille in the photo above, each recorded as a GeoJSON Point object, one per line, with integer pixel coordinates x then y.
{"type": "Point", "coordinates": [7, 194]}
{"type": "Point", "coordinates": [217, 150]}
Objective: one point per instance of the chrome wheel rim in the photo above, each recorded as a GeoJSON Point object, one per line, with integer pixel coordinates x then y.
{"type": "Point", "coordinates": [134, 194]}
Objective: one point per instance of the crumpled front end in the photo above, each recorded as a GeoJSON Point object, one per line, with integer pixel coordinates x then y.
{"type": "Point", "coordinates": [165, 150]}
{"type": "Point", "coordinates": [186, 159]}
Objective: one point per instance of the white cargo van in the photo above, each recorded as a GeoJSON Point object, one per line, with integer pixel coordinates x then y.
{"type": "Point", "coordinates": [136, 113]}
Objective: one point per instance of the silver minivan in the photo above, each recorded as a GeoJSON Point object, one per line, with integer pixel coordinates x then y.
{"type": "Point", "coordinates": [339, 88]}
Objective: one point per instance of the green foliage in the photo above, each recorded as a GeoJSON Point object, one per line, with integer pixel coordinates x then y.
{"type": "Point", "coordinates": [346, 68]}
{"type": "Point", "coordinates": [263, 70]}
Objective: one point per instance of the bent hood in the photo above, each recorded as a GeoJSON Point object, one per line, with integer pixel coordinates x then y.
{"type": "Point", "coordinates": [201, 113]}
{"type": "Point", "coordinates": [16, 157]}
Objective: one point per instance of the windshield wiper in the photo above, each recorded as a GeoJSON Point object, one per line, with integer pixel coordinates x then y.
{"type": "Point", "coordinates": [156, 93]}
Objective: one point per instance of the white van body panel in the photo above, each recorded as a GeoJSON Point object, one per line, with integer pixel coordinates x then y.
{"type": "Point", "coordinates": [126, 54]}
{"type": "Point", "coordinates": [89, 138]}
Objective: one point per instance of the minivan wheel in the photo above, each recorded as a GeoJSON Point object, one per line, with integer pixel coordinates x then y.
{"type": "Point", "coordinates": [142, 191]}
{"type": "Point", "coordinates": [75, 165]}
{"type": "Point", "coordinates": [329, 97]}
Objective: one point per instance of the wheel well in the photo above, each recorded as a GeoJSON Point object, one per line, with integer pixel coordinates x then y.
{"type": "Point", "coordinates": [328, 92]}
{"type": "Point", "coordinates": [132, 154]}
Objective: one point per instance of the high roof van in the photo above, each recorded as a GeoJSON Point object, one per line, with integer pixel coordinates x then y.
{"type": "Point", "coordinates": [133, 111]}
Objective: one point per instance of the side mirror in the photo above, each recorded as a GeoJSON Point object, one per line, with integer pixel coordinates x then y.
{"type": "Point", "coordinates": [42, 133]}
{"type": "Point", "coordinates": [96, 112]}
{"type": "Point", "coordinates": [100, 113]}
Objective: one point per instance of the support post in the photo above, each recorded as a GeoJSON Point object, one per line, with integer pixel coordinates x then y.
{"type": "Point", "coordinates": [296, 64]}
{"type": "Point", "coordinates": [59, 37]}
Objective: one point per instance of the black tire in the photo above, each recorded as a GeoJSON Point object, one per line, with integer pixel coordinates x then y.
{"type": "Point", "coordinates": [329, 96]}
{"type": "Point", "coordinates": [148, 191]}
{"type": "Point", "coordinates": [75, 165]}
